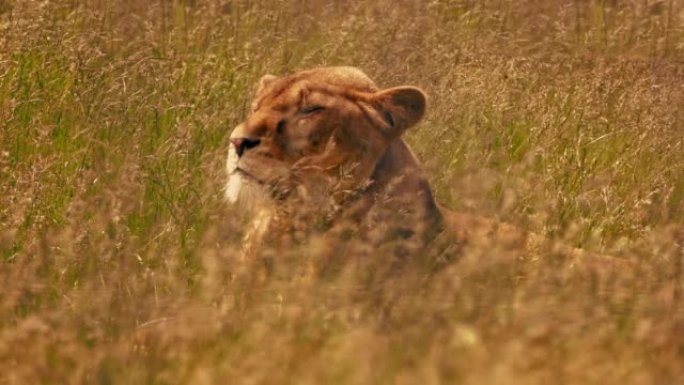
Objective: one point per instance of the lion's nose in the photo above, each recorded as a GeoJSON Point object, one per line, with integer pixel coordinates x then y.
{"type": "Point", "coordinates": [243, 144]}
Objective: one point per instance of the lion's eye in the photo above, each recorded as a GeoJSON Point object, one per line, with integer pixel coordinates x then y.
{"type": "Point", "coordinates": [311, 109]}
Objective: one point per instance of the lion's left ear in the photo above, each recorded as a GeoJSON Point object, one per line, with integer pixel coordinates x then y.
{"type": "Point", "coordinates": [264, 82]}
{"type": "Point", "coordinates": [402, 106]}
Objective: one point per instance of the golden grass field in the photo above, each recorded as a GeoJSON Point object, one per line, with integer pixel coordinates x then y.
{"type": "Point", "coordinates": [118, 254]}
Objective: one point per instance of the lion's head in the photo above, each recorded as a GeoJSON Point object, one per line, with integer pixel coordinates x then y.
{"type": "Point", "coordinates": [326, 126]}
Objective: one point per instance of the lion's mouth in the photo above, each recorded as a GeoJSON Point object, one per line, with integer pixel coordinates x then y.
{"type": "Point", "coordinates": [276, 186]}
{"type": "Point", "coordinates": [249, 176]}
{"type": "Point", "coordinates": [243, 184]}
{"type": "Point", "coordinates": [265, 170]}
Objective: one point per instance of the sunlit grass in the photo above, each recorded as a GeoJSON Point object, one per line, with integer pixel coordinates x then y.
{"type": "Point", "coordinates": [118, 255]}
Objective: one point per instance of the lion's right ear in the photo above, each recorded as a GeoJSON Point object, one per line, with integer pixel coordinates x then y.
{"type": "Point", "coordinates": [403, 107]}
{"type": "Point", "coordinates": [264, 82]}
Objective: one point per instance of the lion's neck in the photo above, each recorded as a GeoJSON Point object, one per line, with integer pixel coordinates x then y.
{"type": "Point", "coordinates": [400, 190]}
{"type": "Point", "coordinates": [398, 202]}
{"type": "Point", "coordinates": [399, 161]}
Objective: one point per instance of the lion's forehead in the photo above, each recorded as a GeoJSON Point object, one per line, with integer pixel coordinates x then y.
{"type": "Point", "coordinates": [336, 98]}
{"type": "Point", "coordinates": [348, 77]}
{"type": "Point", "coordinates": [332, 82]}
{"type": "Point", "coordinates": [278, 99]}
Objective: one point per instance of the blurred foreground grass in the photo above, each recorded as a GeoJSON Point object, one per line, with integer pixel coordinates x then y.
{"type": "Point", "coordinates": [117, 252]}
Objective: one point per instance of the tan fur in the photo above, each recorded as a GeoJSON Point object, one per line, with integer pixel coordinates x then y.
{"type": "Point", "coordinates": [325, 147]}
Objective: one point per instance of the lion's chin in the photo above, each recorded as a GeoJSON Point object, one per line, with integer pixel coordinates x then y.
{"type": "Point", "coordinates": [245, 193]}
{"type": "Point", "coordinates": [233, 188]}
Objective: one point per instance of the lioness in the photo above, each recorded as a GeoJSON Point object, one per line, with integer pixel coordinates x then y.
{"type": "Point", "coordinates": [323, 148]}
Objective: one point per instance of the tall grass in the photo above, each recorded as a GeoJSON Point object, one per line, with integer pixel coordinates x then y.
{"type": "Point", "coordinates": [117, 253]}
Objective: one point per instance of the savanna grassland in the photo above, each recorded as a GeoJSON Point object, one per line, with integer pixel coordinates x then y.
{"type": "Point", "coordinates": [118, 255]}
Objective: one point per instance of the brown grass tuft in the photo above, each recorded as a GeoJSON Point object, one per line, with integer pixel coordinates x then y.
{"type": "Point", "coordinates": [117, 254]}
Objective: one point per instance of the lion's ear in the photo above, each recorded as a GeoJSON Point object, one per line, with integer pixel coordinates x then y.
{"type": "Point", "coordinates": [403, 106]}
{"type": "Point", "coordinates": [264, 82]}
